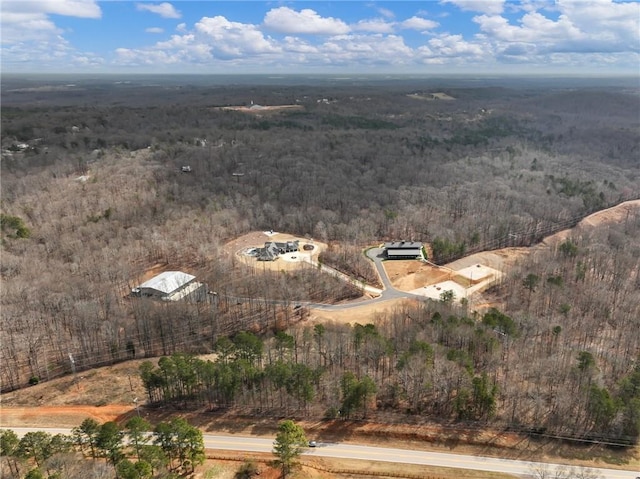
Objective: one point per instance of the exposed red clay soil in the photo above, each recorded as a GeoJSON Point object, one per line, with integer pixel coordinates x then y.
{"type": "Point", "coordinates": [406, 275]}
{"type": "Point", "coordinates": [61, 416]}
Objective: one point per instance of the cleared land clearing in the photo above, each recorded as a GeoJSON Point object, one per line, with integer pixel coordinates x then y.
{"type": "Point", "coordinates": [431, 96]}
{"type": "Point", "coordinates": [286, 262]}
{"type": "Point", "coordinates": [434, 291]}
{"type": "Point", "coordinates": [238, 247]}
{"type": "Point", "coordinates": [408, 274]}
{"type": "Point", "coordinates": [431, 281]}
{"type": "Point", "coordinates": [258, 109]}
{"type": "Point", "coordinates": [362, 314]}
{"type": "Point", "coordinates": [616, 214]}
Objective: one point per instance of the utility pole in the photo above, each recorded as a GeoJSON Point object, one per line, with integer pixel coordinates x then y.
{"type": "Point", "coordinates": [73, 370]}
{"type": "Point", "coordinates": [213, 304]}
{"type": "Point", "coordinates": [46, 362]}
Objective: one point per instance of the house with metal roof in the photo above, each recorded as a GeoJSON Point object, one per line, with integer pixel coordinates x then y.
{"type": "Point", "coordinates": [169, 286]}
{"type": "Point", "coordinates": [403, 250]}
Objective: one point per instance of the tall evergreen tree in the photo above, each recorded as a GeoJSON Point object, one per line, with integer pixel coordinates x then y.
{"type": "Point", "coordinates": [290, 442]}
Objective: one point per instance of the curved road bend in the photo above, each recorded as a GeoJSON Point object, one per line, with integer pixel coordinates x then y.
{"type": "Point", "coordinates": [384, 454]}
{"type": "Point", "coordinates": [387, 293]}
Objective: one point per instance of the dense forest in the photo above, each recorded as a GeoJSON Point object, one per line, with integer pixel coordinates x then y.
{"type": "Point", "coordinates": [93, 196]}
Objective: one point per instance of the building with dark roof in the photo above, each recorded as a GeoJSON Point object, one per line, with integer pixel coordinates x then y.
{"type": "Point", "coordinates": [403, 250]}
{"type": "Point", "coordinates": [272, 249]}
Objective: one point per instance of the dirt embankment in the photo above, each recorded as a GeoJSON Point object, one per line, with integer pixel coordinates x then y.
{"type": "Point", "coordinates": [615, 214]}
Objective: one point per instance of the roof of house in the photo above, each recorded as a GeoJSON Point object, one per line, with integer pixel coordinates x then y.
{"type": "Point", "coordinates": [268, 253]}
{"type": "Point", "coordinates": [403, 245]}
{"type": "Point", "coordinates": [272, 249]}
{"type": "Point", "coordinates": [404, 252]}
{"type": "Point", "coordinates": [168, 282]}
{"type": "Point", "coordinates": [283, 245]}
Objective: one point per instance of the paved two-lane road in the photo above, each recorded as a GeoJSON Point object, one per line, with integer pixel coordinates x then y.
{"type": "Point", "coordinates": [385, 454]}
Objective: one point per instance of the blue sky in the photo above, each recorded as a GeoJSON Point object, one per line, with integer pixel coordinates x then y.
{"type": "Point", "coordinates": [584, 37]}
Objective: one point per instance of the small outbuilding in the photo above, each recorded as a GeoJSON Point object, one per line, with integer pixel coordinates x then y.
{"type": "Point", "coordinates": [403, 250]}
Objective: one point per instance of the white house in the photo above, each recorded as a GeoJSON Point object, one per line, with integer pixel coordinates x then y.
{"type": "Point", "coordinates": [168, 286]}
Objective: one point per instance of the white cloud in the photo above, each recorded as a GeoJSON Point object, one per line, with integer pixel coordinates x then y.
{"type": "Point", "coordinates": [557, 33]}
{"type": "Point", "coordinates": [132, 57]}
{"type": "Point", "coordinates": [218, 43]}
{"type": "Point", "coordinates": [74, 8]}
{"type": "Point", "coordinates": [490, 7]}
{"type": "Point", "coordinates": [298, 45]}
{"type": "Point", "coordinates": [613, 25]}
{"type": "Point", "coordinates": [532, 39]}
{"type": "Point", "coordinates": [70, 8]}
{"type": "Point", "coordinates": [31, 39]}
{"type": "Point", "coordinates": [235, 38]}
{"type": "Point", "coordinates": [46, 55]}
{"type": "Point", "coordinates": [176, 42]}
{"type": "Point", "coordinates": [376, 25]}
{"type": "Point", "coordinates": [531, 5]}
{"type": "Point", "coordinates": [356, 49]}
{"type": "Point", "coordinates": [306, 21]}
{"type": "Point", "coordinates": [213, 40]}
{"type": "Point", "coordinates": [533, 27]}
{"type": "Point", "coordinates": [164, 9]}
{"type": "Point", "coordinates": [581, 29]}
{"type": "Point", "coordinates": [454, 46]}
{"type": "Point", "coordinates": [385, 12]}
{"type": "Point", "coordinates": [29, 20]}
{"type": "Point", "coordinates": [379, 25]}
{"type": "Point", "coordinates": [24, 27]}
{"type": "Point", "coordinates": [419, 23]}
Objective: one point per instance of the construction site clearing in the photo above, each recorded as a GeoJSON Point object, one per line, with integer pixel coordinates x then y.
{"type": "Point", "coordinates": [417, 277]}
{"type": "Point", "coordinates": [463, 283]}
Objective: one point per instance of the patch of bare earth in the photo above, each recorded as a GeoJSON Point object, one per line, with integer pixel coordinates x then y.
{"type": "Point", "coordinates": [225, 463]}
{"type": "Point", "coordinates": [406, 275]}
{"type": "Point", "coordinates": [257, 239]}
{"type": "Point", "coordinates": [616, 214]}
{"type": "Point", "coordinates": [258, 109]}
{"type": "Point", "coordinates": [60, 416]}
{"type": "Point", "coordinates": [364, 314]}
{"type": "Point", "coordinates": [104, 394]}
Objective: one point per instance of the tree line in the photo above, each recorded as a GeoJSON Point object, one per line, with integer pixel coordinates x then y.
{"type": "Point", "coordinates": [137, 451]}
{"type": "Point", "coordinates": [421, 362]}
